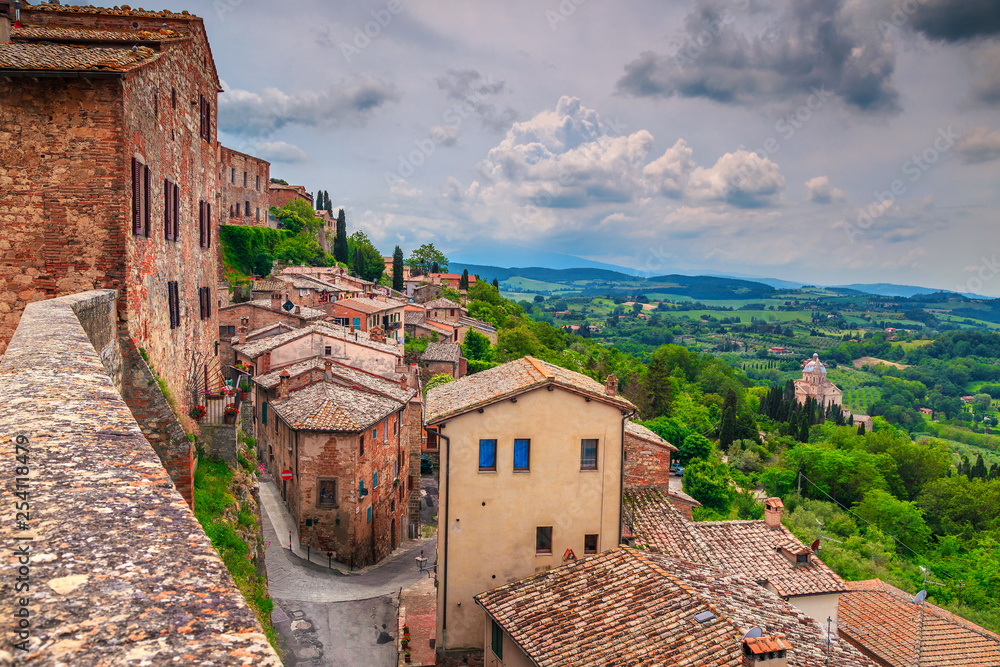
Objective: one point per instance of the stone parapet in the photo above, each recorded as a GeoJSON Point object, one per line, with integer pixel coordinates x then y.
{"type": "Point", "coordinates": [120, 571]}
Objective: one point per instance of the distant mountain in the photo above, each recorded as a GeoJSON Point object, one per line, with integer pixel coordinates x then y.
{"type": "Point", "coordinates": [488, 273]}
{"type": "Point", "coordinates": [493, 253]}
{"type": "Point", "coordinates": [889, 289]}
{"type": "Point", "coordinates": [773, 282]}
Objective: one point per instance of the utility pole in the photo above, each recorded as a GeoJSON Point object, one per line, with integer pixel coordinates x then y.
{"type": "Point", "coordinates": [829, 622]}
{"type": "Point", "coordinates": [800, 484]}
{"type": "Point", "coordinates": [960, 586]}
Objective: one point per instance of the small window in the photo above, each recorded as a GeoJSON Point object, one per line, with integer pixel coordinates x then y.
{"type": "Point", "coordinates": [588, 454]}
{"type": "Point", "coordinates": [258, 183]}
{"type": "Point", "coordinates": [543, 540]}
{"type": "Point", "coordinates": [326, 495]}
{"type": "Point", "coordinates": [369, 515]}
{"type": "Point", "coordinates": [244, 179]}
{"type": "Point", "coordinates": [173, 98]}
{"type": "Point", "coordinates": [375, 434]}
{"type": "Point", "coordinates": [233, 176]}
{"type": "Point", "coordinates": [361, 448]}
{"type": "Point", "coordinates": [375, 479]}
{"type": "Point", "coordinates": [802, 558]}
{"type": "Point", "coordinates": [522, 455]}
{"type": "Point", "coordinates": [263, 413]}
{"type": "Point", "coordinates": [291, 439]}
{"type": "Point", "coordinates": [590, 544]}
{"type": "Point", "coordinates": [487, 455]}
{"type": "Point", "coordinates": [497, 640]}
{"type": "Point", "coordinates": [328, 350]}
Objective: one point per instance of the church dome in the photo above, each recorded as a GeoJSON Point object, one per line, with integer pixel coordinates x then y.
{"type": "Point", "coordinates": [814, 365]}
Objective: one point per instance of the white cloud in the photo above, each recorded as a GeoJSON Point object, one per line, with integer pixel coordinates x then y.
{"type": "Point", "coordinates": [742, 178]}
{"type": "Point", "coordinates": [821, 192]}
{"type": "Point", "coordinates": [280, 151]}
{"type": "Point", "coordinates": [979, 144]}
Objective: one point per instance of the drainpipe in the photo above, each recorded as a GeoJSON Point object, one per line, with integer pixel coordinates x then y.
{"type": "Point", "coordinates": [621, 477]}
{"type": "Point", "coordinates": [447, 499]}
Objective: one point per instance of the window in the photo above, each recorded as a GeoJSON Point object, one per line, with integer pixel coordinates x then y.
{"type": "Point", "coordinates": [291, 439]}
{"type": "Point", "coordinates": [147, 199]}
{"type": "Point", "coordinates": [246, 209]}
{"type": "Point", "coordinates": [369, 515]}
{"type": "Point", "coordinates": [206, 119]}
{"type": "Point", "coordinates": [522, 454]}
{"type": "Point", "coordinates": [357, 323]}
{"type": "Point", "coordinates": [175, 212]}
{"type": "Point", "coordinates": [173, 98]}
{"type": "Point", "coordinates": [258, 215]}
{"type": "Point", "coordinates": [174, 304]}
{"type": "Point", "coordinates": [258, 182]}
{"type": "Point", "coordinates": [375, 434]}
{"type": "Point", "coordinates": [244, 179]}
{"type": "Point", "coordinates": [802, 558]}
{"type": "Point", "coordinates": [543, 540]}
{"type": "Point", "coordinates": [361, 448]}
{"type": "Point", "coordinates": [588, 454]}
{"type": "Point", "coordinates": [326, 494]}
{"type": "Point", "coordinates": [156, 102]}
{"type": "Point", "coordinates": [168, 212]}
{"type": "Point", "coordinates": [497, 640]}
{"type": "Point", "coordinates": [263, 413]}
{"type": "Point", "coordinates": [205, 224]}
{"type": "Point", "coordinates": [375, 479]}
{"type": "Point", "coordinates": [487, 455]}
{"type": "Point", "coordinates": [233, 175]}
{"type": "Point", "coordinates": [328, 350]}
{"type": "Point", "coordinates": [590, 544]}
{"type": "Point", "coordinates": [205, 301]}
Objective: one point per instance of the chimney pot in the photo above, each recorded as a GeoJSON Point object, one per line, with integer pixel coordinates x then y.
{"type": "Point", "coordinates": [611, 385]}
{"type": "Point", "coordinates": [283, 386]}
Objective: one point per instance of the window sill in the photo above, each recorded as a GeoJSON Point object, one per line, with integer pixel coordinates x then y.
{"type": "Point", "coordinates": [588, 469]}
{"type": "Point", "coordinates": [541, 554]}
{"type": "Point", "coordinates": [522, 470]}
{"type": "Point", "coordinates": [488, 471]}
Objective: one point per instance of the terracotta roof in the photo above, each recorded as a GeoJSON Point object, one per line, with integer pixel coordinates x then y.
{"type": "Point", "coordinates": [885, 621]}
{"type": "Point", "coordinates": [475, 324]}
{"type": "Point", "coordinates": [750, 548]}
{"type": "Point", "coordinates": [54, 32]}
{"type": "Point", "coordinates": [449, 352]}
{"type": "Point", "coordinates": [66, 57]}
{"type": "Point", "coordinates": [107, 11]}
{"type": "Point", "coordinates": [257, 348]}
{"type": "Point", "coordinates": [269, 285]}
{"type": "Point", "coordinates": [325, 406]}
{"type": "Point", "coordinates": [312, 282]}
{"type": "Point", "coordinates": [413, 317]}
{"type": "Point", "coordinates": [342, 374]}
{"type": "Point", "coordinates": [641, 432]}
{"type": "Point", "coordinates": [629, 607]}
{"type": "Point", "coordinates": [369, 306]}
{"type": "Point", "coordinates": [444, 303]}
{"type": "Point", "coordinates": [658, 526]}
{"type": "Point", "coordinates": [683, 497]}
{"type": "Point", "coordinates": [507, 380]}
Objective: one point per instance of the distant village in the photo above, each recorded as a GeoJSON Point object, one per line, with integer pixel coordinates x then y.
{"type": "Point", "coordinates": [562, 534]}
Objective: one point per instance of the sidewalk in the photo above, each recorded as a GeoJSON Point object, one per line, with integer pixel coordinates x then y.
{"type": "Point", "coordinates": [418, 611]}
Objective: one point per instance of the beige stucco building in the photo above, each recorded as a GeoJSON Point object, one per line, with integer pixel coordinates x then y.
{"type": "Point", "coordinates": [531, 478]}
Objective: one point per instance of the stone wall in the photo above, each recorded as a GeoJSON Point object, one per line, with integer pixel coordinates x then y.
{"type": "Point", "coordinates": [245, 179]}
{"type": "Point", "coordinates": [219, 440]}
{"type": "Point", "coordinates": [646, 464]}
{"type": "Point", "coordinates": [120, 570]}
{"type": "Point", "coordinates": [157, 419]}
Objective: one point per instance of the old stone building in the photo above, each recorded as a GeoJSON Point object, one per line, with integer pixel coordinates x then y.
{"type": "Point", "coordinates": [108, 174]}
{"type": "Point", "coordinates": [245, 191]}
{"type": "Point", "coordinates": [345, 435]}
{"type": "Point", "coordinates": [815, 385]}
{"type": "Point", "coordinates": [282, 194]}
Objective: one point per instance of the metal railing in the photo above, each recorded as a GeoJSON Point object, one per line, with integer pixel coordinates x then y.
{"type": "Point", "coordinates": [216, 402]}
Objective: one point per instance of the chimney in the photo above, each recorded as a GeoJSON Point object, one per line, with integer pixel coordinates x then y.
{"type": "Point", "coordinates": [6, 16]}
{"type": "Point", "coordinates": [403, 382]}
{"type": "Point", "coordinates": [772, 512]}
{"type": "Point", "coordinates": [243, 334]}
{"type": "Point", "coordinates": [328, 374]}
{"type": "Point", "coordinates": [764, 651]}
{"type": "Point", "coordinates": [283, 386]}
{"type": "Point", "coordinates": [611, 385]}
{"type": "Point", "coordinates": [298, 310]}
{"type": "Point", "coordinates": [276, 301]}
{"type": "Point", "coordinates": [265, 363]}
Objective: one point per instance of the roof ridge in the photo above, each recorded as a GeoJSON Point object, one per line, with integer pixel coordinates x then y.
{"type": "Point", "coordinates": [537, 364]}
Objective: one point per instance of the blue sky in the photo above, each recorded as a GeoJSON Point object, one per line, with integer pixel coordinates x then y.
{"type": "Point", "coordinates": [828, 141]}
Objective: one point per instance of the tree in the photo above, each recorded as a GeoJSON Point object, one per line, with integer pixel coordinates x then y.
{"type": "Point", "coordinates": [397, 270]}
{"type": "Point", "coordinates": [366, 260]}
{"type": "Point", "coordinates": [437, 381]}
{"type": "Point", "coordinates": [476, 346]}
{"type": "Point", "coordinates": [727, 430]}
{"type": "Point", "coordinates": [496, 283]}
{"type": "Point", "coordinates": [463, 283]}
{"type": "Point", "coordinates": [261, 262]}
{"type": "Point", "coordinates": [710, 483]}
{"type": "Point", "coordinates": [279, 181]}
{"type": "Point", "coordinates": [319, 200]}
{"type": "Point", "coordinates": [899, 518]}
{"type": "Point", "coordinates": [340, 250]}
{"type": "Point", "coordinates": [423, 259]}
{"type": "Point", "coordinates": [516, 343]}
{"type": "Point", "coordinates": [695, 446]}
{"type": "Point", "coordinates": [327, 206]}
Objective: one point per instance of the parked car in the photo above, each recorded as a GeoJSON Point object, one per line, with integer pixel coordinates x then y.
{"type": "Point", "coordinates": [426, 465]}
{"type": "Point", "coordinates": [676, 469]}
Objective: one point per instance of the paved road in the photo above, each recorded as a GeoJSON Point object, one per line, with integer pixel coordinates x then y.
{"type": "Point", "coordinates": [330, 618]}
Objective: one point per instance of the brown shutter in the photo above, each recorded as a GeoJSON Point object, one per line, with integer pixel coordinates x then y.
{"type": "Point", "coordinates": [176, 211]}
{"type": "Point", "coordinates": [170, 304]}
{"type": "Point", "coordinates": [201, 110]}
{"type": "Point", "coordinates": [208, 302]}
{"type": "Point", "coordinates": [177, 304]}
{"type": "Point", "coordinates": [147, 199]}
{"type": "Point", "coordinates": [208, 121]}
{"type": "Point", "coordinates": [208, 224]}
{"type": "Point", "coordinates": [201, 223]}
{"type": "Point", "coordinates": [168, 199]}
{"type": "Point", "coordinates": [136, 197]}
{"type": "Point", "coordinates": [201, 302]}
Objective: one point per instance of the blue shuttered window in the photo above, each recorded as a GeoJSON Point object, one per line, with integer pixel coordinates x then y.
{"type": "Point", "coordinates": [522, 454]}
{"type": "Point", "coordinates": [487, 454]}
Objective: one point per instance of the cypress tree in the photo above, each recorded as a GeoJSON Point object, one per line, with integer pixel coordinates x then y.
{"type": "Point", "coordinates": [496, 284]}
{"type": "Point", "coordinates": [319, 200]}
{"type": "Point", "coordinates": [397, 270]}
{"type": "Point", "coordinates": [804, 425]}
{"type": "Point", "coordinates": [727, 431]}
{"type": "Point", "coordinates": [327, 206]}
{"type": "Point", "coordinates": [463, 283]}
{"type": "Point", "coordinates": [340, 252]}
{"type": "Point", "coordinates": [861, 428]}
{"type": "Point", "coordinates": [979, 470]}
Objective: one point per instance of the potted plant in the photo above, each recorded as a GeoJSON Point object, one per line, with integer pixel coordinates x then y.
{"type": "Point", "coordinates": [197, 412]}
{"type": "Point", "coordinates": [406, 656]}
{"type": "Point", "coordinates": [230, 413]}
{"type": "Point", "coordinates": [244, 388]}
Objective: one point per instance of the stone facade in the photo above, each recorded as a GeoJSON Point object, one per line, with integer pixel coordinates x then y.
{"type": "Point", "coordinates": [646, 463]}
{"type": "Point", "coordinates": [815, 385]}
{"type": "Point", "coordinates": [70, 149]}
{"type": "Point", "coordinates": [279, 195]}
{"type": "Point", "coordinates": [245, 188]}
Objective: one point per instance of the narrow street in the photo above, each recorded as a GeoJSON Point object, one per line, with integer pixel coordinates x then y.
{"type": "Point", "coordinates": [325, 614]}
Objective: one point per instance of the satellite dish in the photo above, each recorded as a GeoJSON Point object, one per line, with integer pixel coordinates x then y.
{"type": "Point", "coordinates": [815, 545]}
{"type": "Point", "coordinates": [921, 596]}
{"type": "Point", "coordinates": [753, 633]}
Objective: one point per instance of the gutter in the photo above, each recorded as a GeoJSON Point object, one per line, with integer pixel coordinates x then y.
{"type": "Point", "coordinates": [621, 479]}
{"type": "Point", "coordinates": [447, 500]}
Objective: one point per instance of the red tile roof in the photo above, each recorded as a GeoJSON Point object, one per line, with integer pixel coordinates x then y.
{"type": "Point", "coordinates": [508, 380]}
{"type": "Point", "coordinates": [629, 607]}
{"type": "Point", "coordinates": [75, 33]}
{"type": "Point", "coordinates": [123, 10]}
{"type": "Point", "coordinates": [66, 58]}
{"type": "Point", "coordinates": [642, 433]}
{"type": "Point", "coordinates": [658, 526]}
{"type": "Point", "coordinates": [886, 622]}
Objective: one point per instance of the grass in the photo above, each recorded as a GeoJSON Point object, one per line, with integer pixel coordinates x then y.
{"type": "Point", "coordinates": [212, 496]}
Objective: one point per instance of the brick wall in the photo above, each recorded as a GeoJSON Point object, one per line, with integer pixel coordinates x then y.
{"type": "Point", "coordinates": [280, 195]}
{"type": "Point", "coordinates": [244, 179]}
{"type": "Point", "coordinates": [646, 464]}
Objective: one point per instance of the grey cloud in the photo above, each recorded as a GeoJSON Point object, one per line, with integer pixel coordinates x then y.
{"type": "Point", "coordinates": [280, 151]}
{"type": "Point", "coordinates": [815, 43]}
{"type": "Point", "coordinates": [957, 20]}
{"type": "Point", "coordinates": [469, 88]}
{"type": "Point", "coordinates": [246, 112]}
{"type": "Point", "coordinates": [986, 88]}
{"type": "Point", "coordinates": [979, 145]}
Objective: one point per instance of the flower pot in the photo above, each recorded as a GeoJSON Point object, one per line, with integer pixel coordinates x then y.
{"type": "Point", "coordinates": [229, 419]}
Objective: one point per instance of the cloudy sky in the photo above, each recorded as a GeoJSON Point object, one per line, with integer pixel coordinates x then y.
{"type": "Point", "coordinates": [828, 141]}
